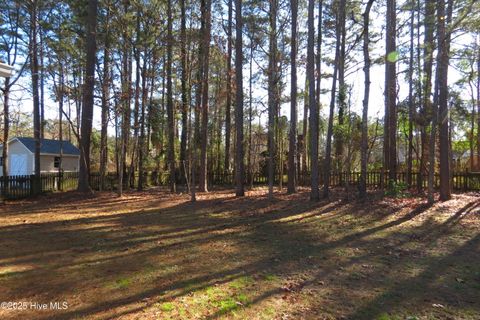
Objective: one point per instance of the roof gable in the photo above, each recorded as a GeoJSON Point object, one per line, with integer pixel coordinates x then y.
{"type": "Point", "coordinates": [50, 146]}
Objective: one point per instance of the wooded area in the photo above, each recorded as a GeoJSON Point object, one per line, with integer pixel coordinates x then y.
{"type": "Point", "coordinates": [240, 159]}
{"type": "Point", "coordinates": [167, 79]}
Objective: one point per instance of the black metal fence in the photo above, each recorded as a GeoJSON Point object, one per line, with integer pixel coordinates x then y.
{"type": "Point", "coordinates": [17, 187]}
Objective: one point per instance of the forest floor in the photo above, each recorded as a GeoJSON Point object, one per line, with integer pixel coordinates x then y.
{"type": "Point", "coordinates": [152, 255]}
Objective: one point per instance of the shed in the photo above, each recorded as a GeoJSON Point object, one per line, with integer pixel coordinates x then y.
{"type": "Point", "coordinates": [21, 156]}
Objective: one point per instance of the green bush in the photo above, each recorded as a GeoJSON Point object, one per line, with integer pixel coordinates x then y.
{"type": "Point", "coordinates": [397, 189]}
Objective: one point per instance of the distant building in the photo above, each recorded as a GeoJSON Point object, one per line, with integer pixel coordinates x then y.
{"type": "Point", "coordinates": [21, 156]}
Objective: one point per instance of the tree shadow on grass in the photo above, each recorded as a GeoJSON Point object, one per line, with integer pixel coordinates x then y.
{"type": "Point", "coordinates": [439, 290]}
{"type": "Point", "coordinates": [119, 264]}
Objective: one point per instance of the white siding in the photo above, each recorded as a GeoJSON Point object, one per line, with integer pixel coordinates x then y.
{"type": "Point", "coordinates": [15, 147]}
{"type": "Point", "coordinates": [69, 163]}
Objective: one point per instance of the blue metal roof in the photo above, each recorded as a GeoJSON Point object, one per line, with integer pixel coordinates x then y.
{"type": "Point", "coordinates": [50, 146]}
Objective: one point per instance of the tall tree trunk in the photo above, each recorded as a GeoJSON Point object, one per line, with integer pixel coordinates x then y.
{"type": "Point", "coordinates": [442, 67]}
{"type": "Point", "coordinates": [250, 119]}
{"type": "Point", "coordinates": [305, 130]}
{"type": "Point", "coordinates": [292, 150]}
{"type": "Point", "coordinates": [124, 102]}
{"type": "Point", "coordinates": [272, 94]}
{"type": "Point", "coordinates": [419, 94]}
{"type": "Point", "coordinates": [170, 111]}
{"type": "Point", "coordinates": [432, 143]}
{"type": "Point", "coordinates": [12, 52]}
{"type": "Point", "coordinates": [60, 96]}
{"type": "Point", "coordinates": [478, 103]}
{"type": "Point", "coordinates": [239, 154]}
{"type": "Point", "coordinates": [202, 183]}
{"type": "Point", "coordinates": [150, 115]}
{"type": "Point", "coordinates": [201, 91]}
{"type": "Point", "coordinates": [87, 105]}
{"type": "Point", "coordinates": [328, 149]}
{"type": "Point", "coordinates": [366, 96]}
{"type": "Point", "coordinates": [36, 100]}
{"type": "Point", "coordinates": [141, 141]}
{"type": "Point", "coordinates": [228, 122]}
{"type": "Point", "coordinates": [314, 190]}
{"type": "Point", "coordinates": [183, 57]}
{"type": "Point", "coordinates": [426, 111]}
{"type": "Point", "coordinates": [471, 142]}
{"type": "Point", "coordinates": [410, 99]}
{"type": "Point", "coordinates": [319, 52]}
{"type": "Point", "coordinates": [105, 104]}
{"type": "Point", "coordinates": [342, 90]}
{"type": "Point", "coordinates": [390, 146]}
{"type": "Point", "coordinates": [42, 82]}
{"type": "Point", "coordinates": [136, 109]}
{"type": "Point", "coordinates": [6, 130]}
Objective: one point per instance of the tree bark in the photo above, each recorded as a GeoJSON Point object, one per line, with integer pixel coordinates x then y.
{"type": "Point", "coordinates": [36, 100]}
{"type": "Point", "coordinates": [170, 111]}
{"type": "Point", "coordinates": [201, 93]}
{"type": "Point", "coordinates": [87, 105]}
{"type": "Point", "coordinates": [292, 150]}
{"type": "Point", "coordinates": [228, 122]}
{"type": "Point", "coordinates": [314, 191]}
{"type": "Point", "coordinates": [183, 57]}
{"type": "Point", "coordinates": [366, 70]}
{"type": "Point", "coordinates": [202, 183]}
{"type": "Point", "coordinates": [60, 96]}
{"type": "Point", "coordinates": [105, 105]}
{"type": "Point", "coordinates": [342, 89]}
{"type": "Point", "coordinates": [319, 53]}
{"type": "Point", "coordinates": [426, 111]}
{"type": "Point", "coordinates": [305, 130]}
{"type": "Point", "coordinates": [42, 82]}
{"type": "Point", "coordinates": [328, 149]}
{"type": "Point", "coordinates": [272, 94]}
{"type": "Point", "coordinates": [478, 103]}
{"type": "Point", "coordinates": [239, 154]}
{"type": "Point", "coordinates": [250, 119]}
{"type": "Point", "coordinates": [390, 146]}
{"type": "Point", "coordinates": [6, 130]}
{"type": "Point", "coordinates": [410, 100]}
{"type": "Point", "coordinates": [124, 102]}
{"type": "Point", "coordinates": [442, 67]}
{"type": "Point", "coordinates": [141, 141]}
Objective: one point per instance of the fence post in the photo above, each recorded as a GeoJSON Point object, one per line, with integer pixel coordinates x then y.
{"type": "Point", "coordinates": [465, 182]}
{"type": "Point", "coordinates": [32, 184]}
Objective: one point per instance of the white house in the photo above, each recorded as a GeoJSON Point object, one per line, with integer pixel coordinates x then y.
{"type": "Point", "coordinates": [21, 156]}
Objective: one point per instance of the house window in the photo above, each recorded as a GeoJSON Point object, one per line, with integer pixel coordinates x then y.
{"type": "Point", "coordinates": [56, 162]}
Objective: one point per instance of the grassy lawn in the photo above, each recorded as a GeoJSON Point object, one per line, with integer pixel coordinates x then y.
{"type": "Point", "coordinates": [151, 255]}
